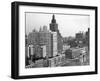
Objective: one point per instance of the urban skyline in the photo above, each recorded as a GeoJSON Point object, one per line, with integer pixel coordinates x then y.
{"type": "Point", "coordinates": [66, 23]}
{"type": "Point", "coordinates": [48, 48]}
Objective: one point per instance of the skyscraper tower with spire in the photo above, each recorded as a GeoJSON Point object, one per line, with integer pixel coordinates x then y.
{"type": "Point", "coordinates": [58, 38]}
{"type": "Point", "coordinates": [53, 24]}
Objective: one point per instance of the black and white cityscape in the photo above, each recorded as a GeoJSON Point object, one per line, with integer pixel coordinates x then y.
{"type": "Point", "coordinates": [52, 44]}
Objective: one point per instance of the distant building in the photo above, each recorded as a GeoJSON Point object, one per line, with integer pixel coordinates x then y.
{"type": "Point", "coordinates": [68, 54]}
{"type": "Point", "coordinates": [88, 37]}
{"type": "Point", "coordinates": [82, 39]}
{"type": "Point", "coordinates": [26, 40]}
{"type": "Point", "coordinates": [79, 36]}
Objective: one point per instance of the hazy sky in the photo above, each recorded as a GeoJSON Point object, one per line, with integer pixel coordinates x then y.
{"type": "Point", "coordinates": [68, 25]}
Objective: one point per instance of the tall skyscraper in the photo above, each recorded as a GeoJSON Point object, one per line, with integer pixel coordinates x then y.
{"type": "Point", "coordinates": [54, 28]}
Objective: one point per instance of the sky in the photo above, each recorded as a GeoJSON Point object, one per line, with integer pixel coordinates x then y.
{"type": "Point", "coordinates": [68, 24]}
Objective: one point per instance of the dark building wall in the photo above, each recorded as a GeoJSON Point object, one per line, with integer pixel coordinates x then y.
{"type": "Point", "coordinates": [68, 54]}
{"type": "Point", "coordinates": [54, 27]}
{"type": "Point", "coordinates": [79, 36]}
{"type": "Point", "coordinates": [60, 43]}
{"type": "Point", "coordinates": [88, 37]}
